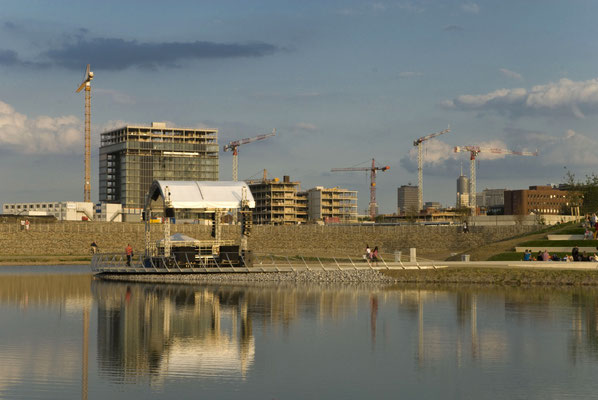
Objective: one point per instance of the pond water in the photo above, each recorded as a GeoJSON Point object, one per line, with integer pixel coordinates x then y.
{"type": "Point", "coordinates": [66, 335]}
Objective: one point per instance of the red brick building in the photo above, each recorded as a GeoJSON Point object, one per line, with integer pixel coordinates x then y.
{"type": "Point", "coordinates": [537, 200]}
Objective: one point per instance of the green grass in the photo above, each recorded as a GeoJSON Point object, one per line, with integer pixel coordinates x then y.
{"type": "Point", "coordinates": [559, 243]}
{"type": "Point", "coordinates": [513, 256]}
{"type": "Point", "coordinates": [571, 231]}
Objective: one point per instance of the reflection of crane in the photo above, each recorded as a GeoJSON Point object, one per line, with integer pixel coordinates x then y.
{"type": "Point", "coordinates": [87, 85]}
{"type": "Point", "coordinates": [234, 147]}
{"type": "Point", "coordinates": [372, 170]}
{"type": "Point", "coordinates": [420, 162]}
{"type": "Point", "coordinates": [474, 151]}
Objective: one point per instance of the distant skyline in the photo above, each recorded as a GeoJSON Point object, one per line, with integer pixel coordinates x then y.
{"type": "Point", "coordinates": [341, 81]}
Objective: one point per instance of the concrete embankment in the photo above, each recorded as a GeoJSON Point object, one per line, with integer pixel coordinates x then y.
{"type": "Point", "coordinates": [433, 242]}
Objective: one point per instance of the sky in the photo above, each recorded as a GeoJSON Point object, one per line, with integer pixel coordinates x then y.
{"type": "Point", "coordinates": [341, 81]}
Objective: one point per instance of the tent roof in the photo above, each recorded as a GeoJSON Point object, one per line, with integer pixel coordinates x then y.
{"type": "Point", "coordinates": [202, 194]}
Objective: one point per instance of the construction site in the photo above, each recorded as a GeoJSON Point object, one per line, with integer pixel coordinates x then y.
{"type": "Point", "coordinates": [133, 156]}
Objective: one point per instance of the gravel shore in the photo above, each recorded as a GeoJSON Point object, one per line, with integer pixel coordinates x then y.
{"type": "Point", "coordinates": [350, 276]}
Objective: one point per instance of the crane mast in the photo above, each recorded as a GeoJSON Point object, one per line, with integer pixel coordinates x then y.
{"type": "Point", "coordinates": [373, 170]}
{"type": "Point", "coordinates": [234, 147]}
{"type": "Point", "coordinates": [86, 84]}
{"type": "Point", "coordinates": [420, 162]}
{"type": "Point", "coordinates": [474, 151]}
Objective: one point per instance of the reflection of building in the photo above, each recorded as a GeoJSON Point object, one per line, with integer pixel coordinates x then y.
{"type": "Point", "coordinates": [537, 200]}
{"type": "Point", "coordinates": [132, 157]}
{"type": "Point", "coordinates": [407, 199]}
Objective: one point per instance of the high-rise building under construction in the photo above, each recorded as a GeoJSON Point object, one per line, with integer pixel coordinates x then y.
{"type": "Point", "coordinates": [132, 157]}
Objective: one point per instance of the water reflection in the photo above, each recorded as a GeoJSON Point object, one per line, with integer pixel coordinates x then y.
{"type": "Point", "coordinates": [181, 330]}
{"type": "Point", "coordinates": [186, 338]}
{"type": "Point", "coordinates": [163, 330]}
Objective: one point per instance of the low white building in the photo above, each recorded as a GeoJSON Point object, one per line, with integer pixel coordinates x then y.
{"type": "Point", "coordinates": [109, 212]}
{"type": "Point", "coordinates": [62, 210]}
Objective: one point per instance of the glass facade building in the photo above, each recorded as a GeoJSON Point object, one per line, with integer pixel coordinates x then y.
{"type": "Point", "coordinates": [132, 157]}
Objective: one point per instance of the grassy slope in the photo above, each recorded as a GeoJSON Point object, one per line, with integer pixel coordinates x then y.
{"type": "Point", "coordinates": [505, 248]}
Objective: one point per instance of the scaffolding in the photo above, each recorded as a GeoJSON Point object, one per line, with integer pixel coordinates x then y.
{"type": "Point", "coordinates": [132, 157]}
{"type": "Point", "coordinates": [278, 202]}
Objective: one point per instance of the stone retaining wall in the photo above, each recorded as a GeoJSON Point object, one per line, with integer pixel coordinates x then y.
{"type": "Point", "coordinates": [74, 238]}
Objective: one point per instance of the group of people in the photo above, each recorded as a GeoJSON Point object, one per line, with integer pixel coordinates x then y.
{"type": "Point", "coordinates": [371, 255]}
{"type": "Point", "coordinates": [128, 251]}
{"type": "Point", "coordinates": [591, 222]}
{"type": "Point", "coordinates": [25, 225]}
{"type": "Point", "coordinates": [545, 256]}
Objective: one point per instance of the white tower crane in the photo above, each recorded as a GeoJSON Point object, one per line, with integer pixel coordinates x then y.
{"type": "Point", "coordinates": [234, 147]}
{"type": "Point", "coordinates": [474, 151]}
{"type": "Point", "coordinates": [420, 162]}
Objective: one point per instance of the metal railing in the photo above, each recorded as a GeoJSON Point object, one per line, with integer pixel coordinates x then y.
{"type": "Point", "coordinates": [117, 263]}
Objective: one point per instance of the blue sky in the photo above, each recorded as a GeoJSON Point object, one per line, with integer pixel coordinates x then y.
{"type": "Point", "coordinates": [342, 82]}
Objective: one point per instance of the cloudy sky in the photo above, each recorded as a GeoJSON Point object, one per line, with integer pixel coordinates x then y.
{"type": "Point", "coordinates": [342, 82]}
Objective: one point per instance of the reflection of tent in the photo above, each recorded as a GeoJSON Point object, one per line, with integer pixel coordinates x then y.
{"type": "Point", "coordinates": [209, 357]}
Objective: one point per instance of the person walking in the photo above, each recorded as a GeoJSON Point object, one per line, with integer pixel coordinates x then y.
{"type": "Point", "coordinates": [375, 255]}
{"type": "Point", "coordinates": [129, 251]}
{"type": "Point", "coordinates": [368, 253]}
{"type": "Point", "coordinates": [94, 247]}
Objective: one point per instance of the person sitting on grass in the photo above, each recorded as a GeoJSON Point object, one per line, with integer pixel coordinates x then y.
{"type": "Point", "coordinates": [588, 235]}
{"type": "Point", "coordinates": [545, 256]}
{"type": "Point", "coordinates": [527, 256]}
{"type": "Point", "coordinates": [555, 257]}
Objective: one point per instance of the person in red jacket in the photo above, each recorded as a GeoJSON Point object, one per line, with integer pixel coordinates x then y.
{"type": "Point", "coordinates": [129, 251]}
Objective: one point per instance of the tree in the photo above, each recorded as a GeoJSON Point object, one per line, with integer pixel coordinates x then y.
{"type": "Point", "coordinates": [581, 195]}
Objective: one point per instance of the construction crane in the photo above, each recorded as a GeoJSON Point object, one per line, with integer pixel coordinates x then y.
{"type": "Point", "coordinates": [234, 147]}
{"type": "Point", "coordinates": [474, 151]}
{"type": "Point", "coordinates": [87, 85]}
{"type": "Point", "coordinates": [373, 169]}
{"type": "Point", "coordinates": [420, 162]}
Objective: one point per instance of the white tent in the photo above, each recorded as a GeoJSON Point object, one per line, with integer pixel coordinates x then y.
{"type": "Point", "coordinates": [202, 194]}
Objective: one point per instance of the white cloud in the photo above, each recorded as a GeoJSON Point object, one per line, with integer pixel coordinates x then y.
{"type": "Point", "coordinates": [42, 134]}
{"type": "Point", "coordinates": [378, 6]}
{"type": "Point", "coordinates": [511, 74]}
{"type": "Point", "coordinates": [115, 95]}
{"type": "Point", "coordinates": [453, 28]}
{"type": "Point", "coordinates": [412, 6]}
{"type": "Point", "coordinates": [409, 74]}
{"type": "Point", "coordinates": [434, 152]}
{"type": "Point", "coordinates": [566, 97]}
{"type": "Point", "coordinates": [571, 148]}
{"type": "Point", "coordinates": [305, 126]}
{"type": "Point", "coordinates": [471, 8]}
